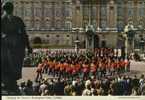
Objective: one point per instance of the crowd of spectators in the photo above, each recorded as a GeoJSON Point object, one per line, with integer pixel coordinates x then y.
{"type": "Point", "coordinates": [119, 85]}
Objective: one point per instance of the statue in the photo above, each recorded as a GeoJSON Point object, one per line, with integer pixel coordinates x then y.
{"type": "Point", "coordinates": [14, 40]}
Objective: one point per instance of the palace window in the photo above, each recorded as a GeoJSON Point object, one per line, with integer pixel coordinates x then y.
{"type": "Point", "coordinates": [58, 11]}
{"type": "Point", "coordinates": [18, 11]}
{"type": "Point", "coordinates": [67, 10]}
{"type": "Point", "coordinates": [37, 12]}
{"type": "Point", "coordinates": [58, 24]}
{"type": "Point", "coordinates": [48, 24]}
{"type": "Point", "coordinates": [37, 25]}
{"type": "Point", "coordinates": [48, 11]}
{"type": "Point", "coordinates": [141, 8]}
{"type": "Point", "coordinates": [94, 11]}
{"type": "Point", "coordinates": [103, 24]}
{"type": "Point", "coordinates": [68, 25]}
{"type": "Point", "coordinates": [120, 9]}
{"type": "Point", "coordinates": [103, 10]}
{"type": "Point", "coordinates": [27, 12]}
{"type": "Point", "coordinates": [130, 8]}
{"type": "Point", "coordinates": [85, 10]}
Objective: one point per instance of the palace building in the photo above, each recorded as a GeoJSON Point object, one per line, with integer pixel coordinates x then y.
{"type": "Point", "coordinates": [58, 23]}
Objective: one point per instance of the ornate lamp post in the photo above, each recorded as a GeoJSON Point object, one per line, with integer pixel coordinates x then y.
{"type": "Point", "coordinates": [126, 41]}
{"type": "Point", "coordinates": [77, 41]}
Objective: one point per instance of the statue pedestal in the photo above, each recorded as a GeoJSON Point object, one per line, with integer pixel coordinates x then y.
{"type": "Point", "coordinates": [76, 46]}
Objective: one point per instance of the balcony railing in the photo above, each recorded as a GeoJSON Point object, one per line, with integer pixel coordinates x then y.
{"type": "Point", "coordinates": [103, 30]}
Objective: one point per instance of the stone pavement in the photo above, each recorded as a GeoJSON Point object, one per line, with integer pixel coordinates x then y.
{"type": "Point", "coordinates": [137, 67]}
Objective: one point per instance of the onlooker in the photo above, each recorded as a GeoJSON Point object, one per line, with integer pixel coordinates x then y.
{"type": "Point", "coordinates": [29, 88]}
{"type": "Point", "coordinates": [43, 87]}
{"type": "Point", "coordinates": [22, 88]}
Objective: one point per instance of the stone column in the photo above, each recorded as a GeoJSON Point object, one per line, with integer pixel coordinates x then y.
{"type": "Point", "coordinates": [126, 46]}
{"type": "Point", "coordinates": [32, 18]}
{"type": "Point", "coordinates": [92, 47]}
{"type": "Point", "coordinates": [126, 12]}
{"type": "Point", "coordinates": [135, 12]}
{"type": "Point", "coordinates": [42, 15]}
{"type": "Point", "coordinates": [53, 15]}
{"type": "Point", "coordinates": [22, 10]}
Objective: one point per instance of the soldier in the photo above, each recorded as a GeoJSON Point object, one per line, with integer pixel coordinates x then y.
{"type": "Point", "coordinates": [93, 69]}
{"type": "Point", "coordinates": [39, 70]}
{"type": "Point", "coordinates": [14, 40]}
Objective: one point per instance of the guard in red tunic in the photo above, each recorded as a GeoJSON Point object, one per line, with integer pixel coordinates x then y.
{"type": "Point", "coordinates": [126, 65]}
{"type": "Point", "coordinates": [93, 69]}
{"type": "Point", "coordinates": [54, 63]}
{"type": "Point", "coordinates": [61, 69]}
{"type": "Point", "coordinates": [112, 68]}
{"type": "Point", "coordinates": [68, 71]}
{"type": "Point", "coordinates": [85, 70]}
{"type": "Point", "coordinates": [45, 69]}
{"type": "Point", "coordinates": [74, 71]}
{"type": "Point", "coordinates": [39, 70]}
{"type": "Point", "coordinates": [50, 66]}
{"type": "Point", "coordinates": [78, 68]}
{"type": "Point", "coordinates": [117, 65]}
{"type": "Point", "coordinates": [65, 68]}
{"type": "Point", "coordinates": [56, 68]}
{"type": "Point", "coordinates": [122, 65]}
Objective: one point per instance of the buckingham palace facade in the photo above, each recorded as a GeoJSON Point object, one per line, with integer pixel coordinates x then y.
{"type": "Point", "coordinates": [59, 23]}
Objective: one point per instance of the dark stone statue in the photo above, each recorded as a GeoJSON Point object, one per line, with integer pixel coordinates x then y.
{"type": "Point", "coordinates": [14, 40]}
